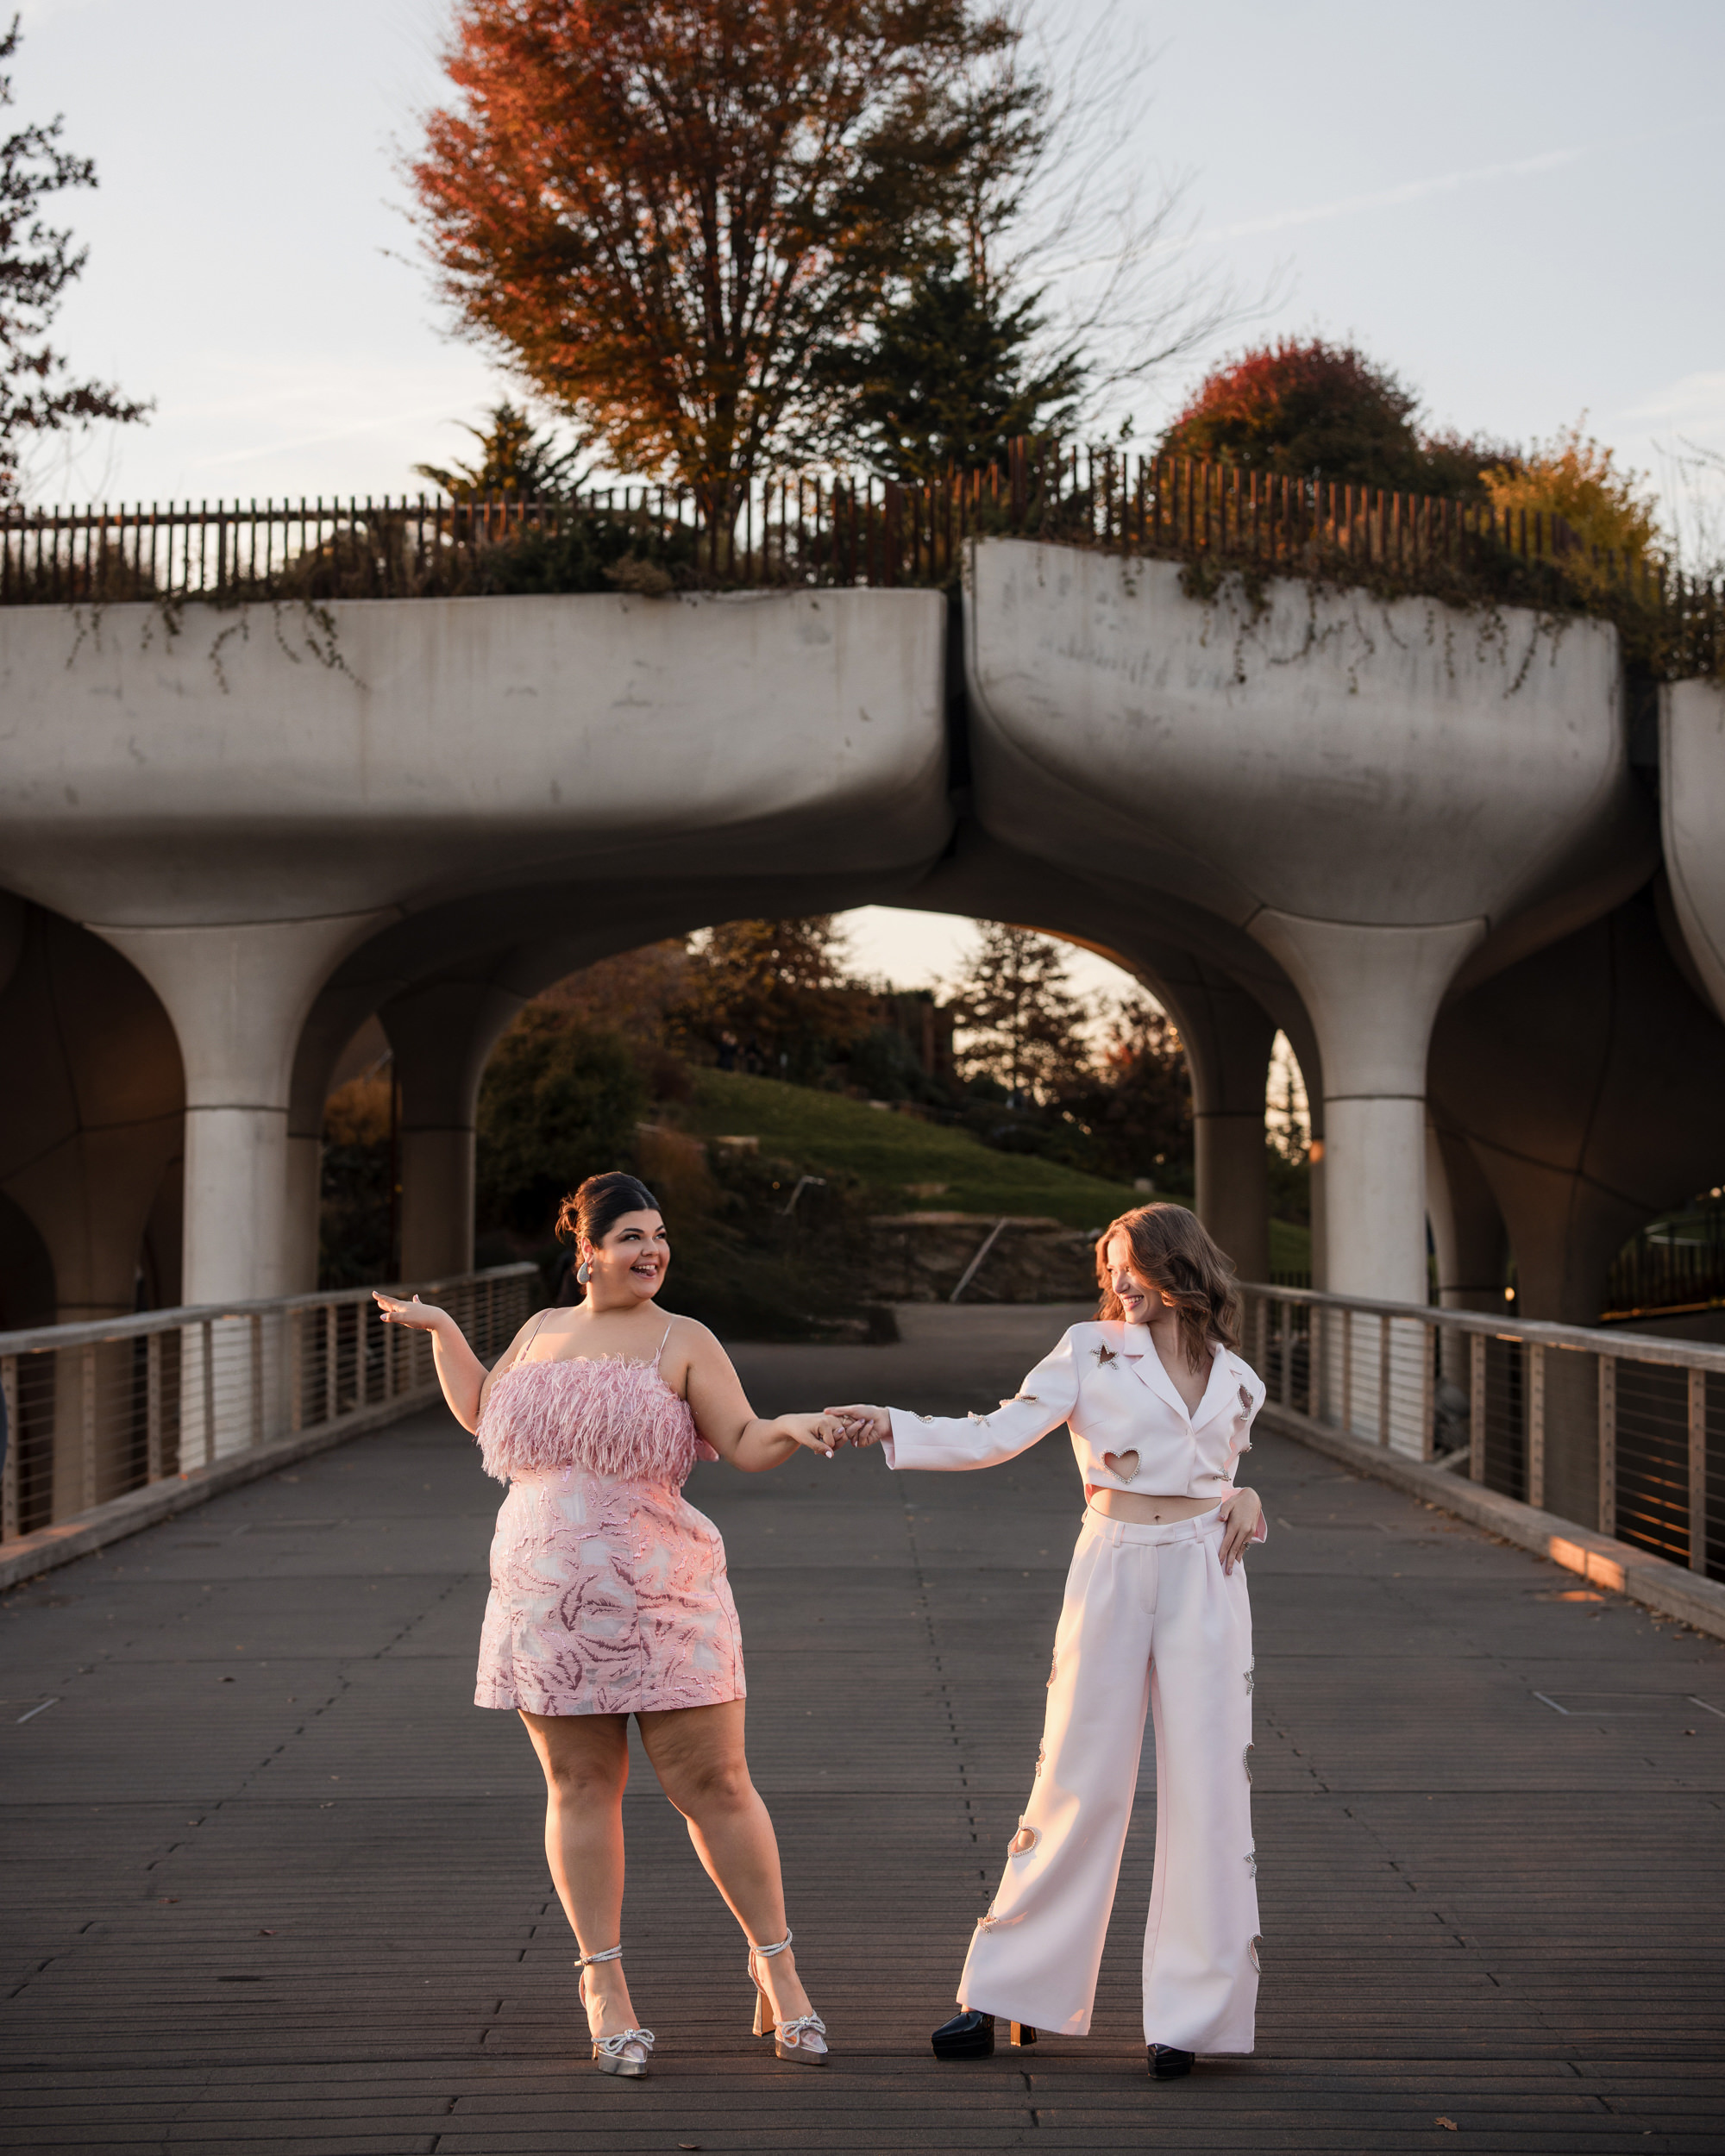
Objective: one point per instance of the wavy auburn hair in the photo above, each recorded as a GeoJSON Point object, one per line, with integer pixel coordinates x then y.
{"type": "Point", "coordinates": [1171, 1250]}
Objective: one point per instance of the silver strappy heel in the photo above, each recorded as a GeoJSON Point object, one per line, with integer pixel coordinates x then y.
{"type": "Point", "coordinates": [625, 2052]}
{"type": "Point", "coordinates": [803, 2041]}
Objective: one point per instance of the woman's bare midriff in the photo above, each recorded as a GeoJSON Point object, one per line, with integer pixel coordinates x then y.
{"type": "Point", "coordinates": [1148, 1512]}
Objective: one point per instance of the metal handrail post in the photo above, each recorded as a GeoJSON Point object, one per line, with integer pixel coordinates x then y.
{"type": "Point", "coordinates": [1536, 1427]}
{"type": "Point", "coordinates": [1698, 1471]}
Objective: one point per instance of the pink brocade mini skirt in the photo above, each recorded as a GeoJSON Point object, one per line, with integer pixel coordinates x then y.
{"type": "Point", "coordinates": [608, 1596]}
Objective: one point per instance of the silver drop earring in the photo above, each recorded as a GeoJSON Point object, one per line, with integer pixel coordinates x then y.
{"type": "Point", "coordinates": [583, 1273]}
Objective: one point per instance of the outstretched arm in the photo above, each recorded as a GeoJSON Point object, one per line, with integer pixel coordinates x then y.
{"type": "Point", "coordinates": [464, 1378]}
{"type": "Point", "coordinates": [1041, 1403]}
{"type": "Point", "coordinates": [724, 1417]}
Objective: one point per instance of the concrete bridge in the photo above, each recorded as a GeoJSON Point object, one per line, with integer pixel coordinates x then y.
{"type": "Point", "coordinates": [1473, 876]}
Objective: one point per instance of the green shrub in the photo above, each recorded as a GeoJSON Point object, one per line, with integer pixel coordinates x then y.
{"type": "Point", "coordinates": [559, 1102]}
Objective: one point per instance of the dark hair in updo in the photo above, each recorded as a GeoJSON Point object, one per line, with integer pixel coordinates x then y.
{"type": "Point", "coordinates": [589, 1213]}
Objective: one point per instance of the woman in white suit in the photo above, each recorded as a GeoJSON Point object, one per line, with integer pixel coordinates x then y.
{"type": "Point", "coordinates": [1160, 1405]}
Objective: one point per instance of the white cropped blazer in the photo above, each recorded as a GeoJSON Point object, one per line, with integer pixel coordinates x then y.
{"type": "Point", "coordinates": [1130, 1427]}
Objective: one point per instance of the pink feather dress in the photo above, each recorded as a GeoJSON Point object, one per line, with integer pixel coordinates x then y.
{"type": "Point", "coordinates": [608, 1590]}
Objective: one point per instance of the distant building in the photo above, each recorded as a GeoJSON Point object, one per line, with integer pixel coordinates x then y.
{"type": "Point", "coordinates": [926, 1025]}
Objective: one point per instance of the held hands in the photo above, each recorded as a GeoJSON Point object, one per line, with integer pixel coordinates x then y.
{"type": "Point", "coordinates": [820, 1433]}
{"type": "Point", "coordinates": [1240, 1515]}
{"type": "Point", "coordinates": [863, 1426]}
{"type": "Point", "coordinates": [825, 1432]}
{"type": "Point", "coordinates": [421, 1317]}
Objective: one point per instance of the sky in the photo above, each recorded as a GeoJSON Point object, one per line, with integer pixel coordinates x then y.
{"type": "Point", "coordinates": [1514, 203]}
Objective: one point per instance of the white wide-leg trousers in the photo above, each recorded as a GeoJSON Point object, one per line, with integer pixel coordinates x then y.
{"type": "Point", "coordinates": [1150, 1618]}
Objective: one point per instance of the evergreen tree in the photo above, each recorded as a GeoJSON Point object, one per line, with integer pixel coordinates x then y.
{"type": "Point", "coordinates": [1018, 1014]}
{"type": "Point", "coordinates": [36, 265]}
{"type": "Point", "coordinates": [515, 458]}
{"type": "Point", "coordinates": [778, 989]}
{"type": "Point", "coordinates": [1136, 1106]}
{"type": "Point", "coordinates": [949, 377]}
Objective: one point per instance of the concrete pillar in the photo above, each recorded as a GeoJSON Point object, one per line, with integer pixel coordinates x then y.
{"type": "Point", "coordinates": [1228, 1037]}
{"type": "Point", "coordinates": [1233, 1189]}
{"type": "Point", "coordinates": [1467, 1227]}
{"type": "Point", "coordinates": [1372, 993]}
{"type": "Point", "coordinates": [1468, 1237]}
{"type": "Point", "coordinates": [441, 1034]}
{"type": "Point", "coordinates": [437, 1201]}
{"type": "Point", "coordinates": [1321, 1204]}
{"type": "Point", "coordinates": [1288, 1012]}
{"type": "Point", "coordinates": [13, 914]}
{"type": "Point", "coordinates": [336, 1016]}
{"type": "Point", "coordinates": [1692, 812]}
{"type": "Point", "coordinates": [1587, 1079]}
{"type": "Point", "coordinates": [238, 994]}
{"type": "Point", "coordinates": [1362, 791]}
{"type": "Point", "coordinates": [302, 1205]}
{"type": "Point", "coordinates": [164, 1236]}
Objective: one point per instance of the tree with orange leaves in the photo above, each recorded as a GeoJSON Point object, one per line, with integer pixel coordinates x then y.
{"type": "Point", "coordinates": [1314, 409]}
{"type": "Point", "coordinates": [661, 212]}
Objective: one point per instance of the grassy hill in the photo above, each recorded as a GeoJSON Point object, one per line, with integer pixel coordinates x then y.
{"type": "Point", "coordinates": [900, 1160]}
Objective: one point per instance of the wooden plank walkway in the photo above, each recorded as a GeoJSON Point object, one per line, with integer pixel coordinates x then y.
{"type": "Point", "coordinates": [273, 1884]}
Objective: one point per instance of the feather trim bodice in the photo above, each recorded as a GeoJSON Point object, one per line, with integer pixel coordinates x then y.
{"type": "Point", "coordinates": [608, 1414]}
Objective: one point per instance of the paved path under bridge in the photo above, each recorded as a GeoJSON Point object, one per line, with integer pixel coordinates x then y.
{"type": "Point", "coordinates": [271, 1884]}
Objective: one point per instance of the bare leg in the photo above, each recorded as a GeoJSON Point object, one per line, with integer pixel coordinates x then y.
{"type": "Point", "coordinates": [697, 1753]}
{"type": "Point", "coordinates": [585, 1758]}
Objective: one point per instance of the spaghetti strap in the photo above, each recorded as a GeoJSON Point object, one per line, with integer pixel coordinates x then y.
{"type": "Point", "coordinates": [660, 1356]}
{"type": "Point", "coordinates": [521, 1351]}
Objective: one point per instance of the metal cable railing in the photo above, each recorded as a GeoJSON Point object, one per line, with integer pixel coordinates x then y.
{"type": "Point", "coordinates": [96, 1411]}
{"type": "Point", "coordinates": [1673, 1264]}
{"type": "Point", "coordinates": [1626, 1426]}
{"type": "Point", "coordinates": [834, 528]}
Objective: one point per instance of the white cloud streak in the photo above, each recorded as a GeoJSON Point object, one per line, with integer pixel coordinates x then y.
{"type": "Point", "coordinates": [1381, 198]}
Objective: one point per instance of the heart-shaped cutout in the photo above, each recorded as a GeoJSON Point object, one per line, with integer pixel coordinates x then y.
{"type": "Point", "coordinates": [1124, 1464]}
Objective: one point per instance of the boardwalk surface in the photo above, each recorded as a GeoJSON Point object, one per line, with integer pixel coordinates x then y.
{"type": "Point", "coordinates": [271, 1882]}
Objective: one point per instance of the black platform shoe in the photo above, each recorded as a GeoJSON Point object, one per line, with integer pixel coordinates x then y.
{"type": "Point", "coordinates": [1166, 2063]}
{"type": "Point", "coordinates": [965, 2036]}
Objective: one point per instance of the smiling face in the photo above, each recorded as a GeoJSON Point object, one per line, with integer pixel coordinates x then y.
{"type": "Point", "coordinates": [1140, 1299]}
{"type": "Point", "coordinates": [630, 1261]}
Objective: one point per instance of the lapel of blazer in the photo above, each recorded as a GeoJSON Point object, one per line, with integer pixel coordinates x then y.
{"type": "Point", "coordinates": [1220, 1386]}
{"type": "Point", "coordinates": [1148, 1370]}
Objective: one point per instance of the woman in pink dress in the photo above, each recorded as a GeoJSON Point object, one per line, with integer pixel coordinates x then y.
{"type": "Point", "coordinates": [609, 1595]}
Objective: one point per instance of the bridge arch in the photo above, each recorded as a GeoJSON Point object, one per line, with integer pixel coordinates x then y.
{"type": "Point", "coordinates": [91, 1102]}
{"type": "Point", "coordinates": [443, 1018]}
{"type": "Point", "coordinates": [1326, 813]}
